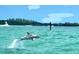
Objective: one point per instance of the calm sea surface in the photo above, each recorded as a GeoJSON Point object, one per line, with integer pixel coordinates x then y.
{"type": "Point", "coordinates": [60, 40]}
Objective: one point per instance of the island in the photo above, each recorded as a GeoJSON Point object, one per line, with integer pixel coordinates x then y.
{"type": "Point", "coordinates": [20, 21]}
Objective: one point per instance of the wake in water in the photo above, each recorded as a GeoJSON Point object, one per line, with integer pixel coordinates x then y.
{"type": "Point", "coordinates": [16, 43]}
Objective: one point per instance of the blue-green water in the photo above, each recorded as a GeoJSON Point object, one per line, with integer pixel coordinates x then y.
{"type": "Point", "coordinates": [60, 40]}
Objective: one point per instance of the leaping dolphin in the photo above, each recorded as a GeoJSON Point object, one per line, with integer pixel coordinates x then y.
{"type": "Point", "coordinates": [29, 37]}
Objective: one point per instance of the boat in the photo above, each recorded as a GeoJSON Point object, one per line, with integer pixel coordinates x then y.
{"type": "Point", "coordinates": [6, 24]}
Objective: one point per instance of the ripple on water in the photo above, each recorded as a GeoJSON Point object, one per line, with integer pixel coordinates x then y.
{"type": "Point", "coordinates": [58, 40]}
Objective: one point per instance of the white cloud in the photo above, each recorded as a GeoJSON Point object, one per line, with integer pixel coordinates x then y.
{"type": "Point", "coordinates": [33, 7]}
{"type": "Point", "coordinates": [56, 17]}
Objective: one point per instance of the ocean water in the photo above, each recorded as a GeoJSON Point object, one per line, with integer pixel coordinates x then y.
{"type": "Point", "coordinates": [60, 40]}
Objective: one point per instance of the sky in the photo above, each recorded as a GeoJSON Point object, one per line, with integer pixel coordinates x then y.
{"type": "Point", "coordinates": [41, 13]}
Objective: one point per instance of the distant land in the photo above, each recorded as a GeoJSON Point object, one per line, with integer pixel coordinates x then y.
{"type": "Point", "coordinates": [19, 21]}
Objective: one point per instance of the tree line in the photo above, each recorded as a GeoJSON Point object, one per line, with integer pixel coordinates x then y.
{"type": "Point", "coordinates": [19, 21]}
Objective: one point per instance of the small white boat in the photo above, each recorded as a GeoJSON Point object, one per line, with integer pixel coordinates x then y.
{"type": "Point", "coordinates": [6, 24]}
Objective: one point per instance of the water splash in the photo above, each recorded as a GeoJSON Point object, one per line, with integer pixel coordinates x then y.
{"type": "Point", "coordinates": [13, 44]}
{"type": "Point", "coordinates": [16, 44]}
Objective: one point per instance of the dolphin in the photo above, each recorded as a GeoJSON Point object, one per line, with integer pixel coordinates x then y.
{"type": "Point", "coordinates": [30, 38]}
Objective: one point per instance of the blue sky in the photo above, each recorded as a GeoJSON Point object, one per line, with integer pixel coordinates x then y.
{"type": "Point", "coordinates": [42, 13]}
